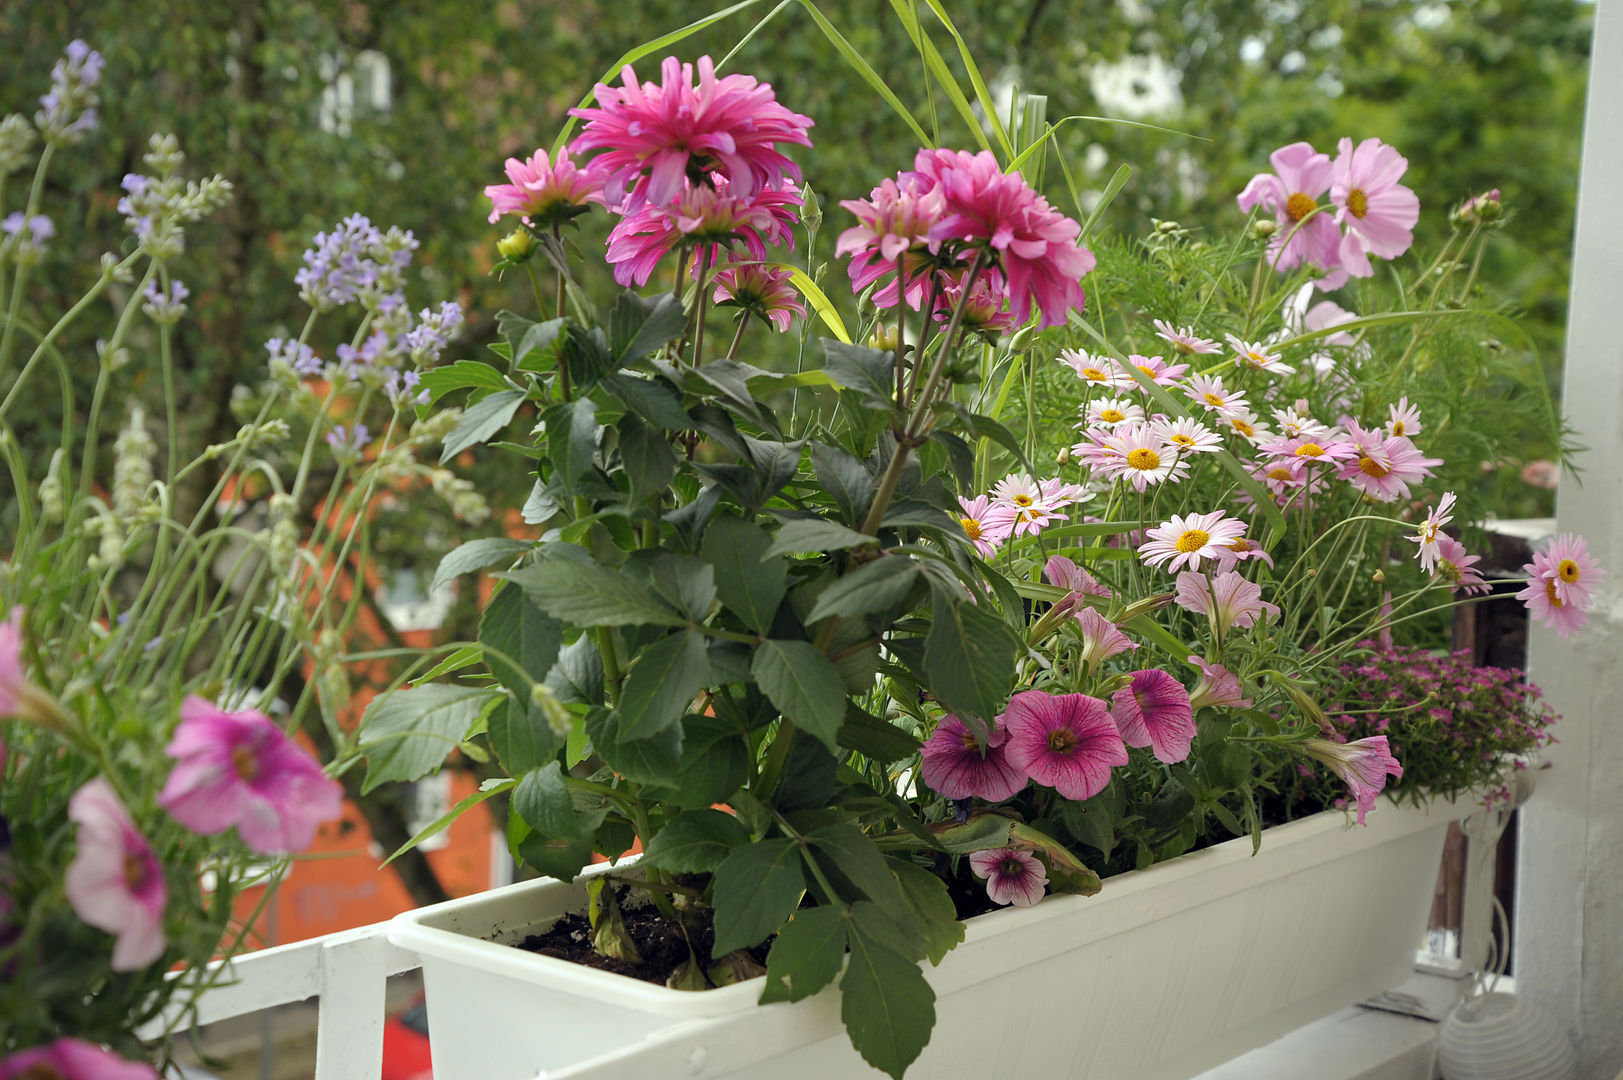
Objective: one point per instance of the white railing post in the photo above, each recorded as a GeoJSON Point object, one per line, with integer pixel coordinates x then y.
{"type": "Point", "coordinates": [349, 1032]}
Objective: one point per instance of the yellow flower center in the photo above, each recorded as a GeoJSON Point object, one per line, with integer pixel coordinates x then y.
{"type": "Point", "coordinates": [1549, 591]}
{"type": "Point", "coordinates": [1567, 570]}
{"type": "Point", "coordinates": [1242, 427]}
{"type": "Point", "coordinates": [1215, 401]}
{"type": "Point", "coordinates": [1310, 449]}
{"type": "Point", "coordinates": [1023, 499]}
{"type": "Point", "coordinates": [969, 740]}
{"type": "Point", "coordinates": [1183, 348]}
{"type": "Point", "coordinates": [1279, 472]}
{"type": "Point", "coordinates": [1182, 440]}
{"type": "Point", "coordinates": [1146, 369]}
{"type": "Point", "coordinates": [1112, 416]}
{"type": "Point", "coordinates": [1370, 467]}
{"type": "Point", "coordinates": [1093, 374]}
{"type": "Point", "coordinates": [1300, 205]}
{"type": "Point", "coordinates": [1397, 427]}
{"type": "Point", "coordinates": [1193, 540]}
{"type": "Point", "coordinates": [1357, 202]}
{"type": "Point", "coordinates": [244, 761]}
{"type": "Point", "coordinates": [971, 527]}
{"type": "Point", "coordinates": [1144, 458]}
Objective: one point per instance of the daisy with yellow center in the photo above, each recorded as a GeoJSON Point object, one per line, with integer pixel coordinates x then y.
{"type": "Point", "coordinates": [1112, 412]}
{"type": "Point", "coordinates": [1186, 540]}
{"type": "Point", "coordinates": [1210, 392]}
{"type": "Point", "coordinates": [1430, 529]}
{"type": "Point", "coordinates": [1145, 459]}
{"type": "Point", "coordinates": [985, 534]}
{"type": "Point", "coordinates": [1255, 355]}
{"type": "Point", "coordinates": [1183, 339]}
{"type": "Point", "coordinates": [1095, 370]}
{"type": "Point", "coordinates": [1187, 436]}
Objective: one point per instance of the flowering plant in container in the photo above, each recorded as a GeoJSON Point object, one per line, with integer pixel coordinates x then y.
{"type": "Point", "coordinates": [149, 775]}
{"type": "Point", "coordinates": [836, 646]}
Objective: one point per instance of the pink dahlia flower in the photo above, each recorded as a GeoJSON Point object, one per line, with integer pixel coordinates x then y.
{"type": "Point", "coordinates": [115, 883]}
{"type": "Point", "coordinates": [1012, 876]}
{"type": "Point", "coordinates": [1035, 245]}
{"type": "Point", "coordinates": [955, 766]}
{"type": "Point", "coordinates": [1153, 710]}
{"type": "Point", "coordinates": [1457, 568]}
{"type": "Point", "coordinates": [238, 768]}
{"type": "Point", "coordinates": [1377, 211]}
{"type": "Point", "coordinates": [1187, 539]}
{"type": "Point", "coordinates": [1291, 193]}
{"type": "Point", "coordinates": [1363, 764]}
{"type": "Point", "coordinates": [987, 309]}
{"type": "Point", "coordinates": [1558, 592]}
{"type": "Point", "coordinates": [672, 130]}
{"type": "Point", "coordinates": [1218, 687]}
{"type": "Point", "coordinates": [713, 218]}
{"type": "Point", "coordinates": [1227, 599]}
{"type": "Point", "coordinates": [764, 291]}
{"type": "Point", "coordinates": [1067, 742]}
{"type": "Point", "coordinates": [979, 525]}
{"type": "Point", "coordinates": [72, 1059]}
{"type": "Point", "coordinates": [892, 222]}
{"type": "Point", "coordinates": [543, 192]}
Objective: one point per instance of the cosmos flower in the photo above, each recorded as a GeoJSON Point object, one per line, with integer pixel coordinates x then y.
{"type": "Point", "coordinates": [72, 1059]}
{"type": "Point", "coordinates": [982, 531]}
{"type": "Point", "coordinates": [1254, 355]}
{"type": "Point", "coordinates": [1159, 371]}
{"type": "Point", "coordinates": [1111, 413]}
{"type": "Point", "coordinates": [1377, 211]}
{"type": "Point", "coordinates": [1456, 567]}
{"type": "Point", "coordinates": [1209, 392]}
{"type": "Point", "coordinates": [1384, 472]}
{"type": "Point", "coordinates": [1139, 456]}
{"type": "Point", "coordinates": [1099, 371]}
{"type": "Point", "coordinates": [1186, 435]}
{"type": "Point", "coordinates": [1562, 576]}
{"type": "Point", "coordinates": [1291, 193]}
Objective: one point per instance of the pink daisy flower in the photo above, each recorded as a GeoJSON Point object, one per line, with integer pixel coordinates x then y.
{"type": "Point", "coordinates": [1012, 876]}
{"type": "Point", "coordinates": [985, 533]}
{"type": "Point", "coordinates": [1293, 425]}
{"type": "Point", "coordinates": [955, 766]}
{"type": "Point", "coordinates": [1209, 392]}
{"type": "Point", "coordinates": [1403, 418]}
{"type": "Point", "coordinates": [1101, 638]}
{"type": "Point", "coordinates": [1283, 477]}
{"type": "Point", "coordinates": [1111, 413]}
{"type": "Point", "coordinates": [1153, 710]}
{"type": "Point", "coordinates": [1227, 599]}
{"type": "Point", "coordinates": [731, 126]}
{"type": "Point", "coordinates": [712, 217]}
{"type": "Point", "coordinates": [1187, 539]}
{"type": "Point", "coordinates": [1254, 355]}
{"type": "Point", "coordinates": [1291, 193]}
{"type": "Point", "coordinates": [1309, 451]}
{"type": "Point", "coordinates": [1067, 742]}
{"type": "Point", "coordinates": [1385, 472]}
{"type": "Point", "coordinates": [1141, 458]}
{"type": "Point", "coordinates": [894, 220]}
{"type": "Point", "coordinates": [238, 768]}
{"type": "Point", "coordinates": [1186, 435]}
{"type": "Point", "coordinates": [1035, 245]}
{"type": "Point", "coordinates": [1183, 339]}
{"type": "Point", "coordinates": [115, 883]}
{"type": "Point", "coordinates": [1100, 371]}
{"type": "Point", "coordinates": [1218, 687]}
{"type": "Point", "coordinates": [1238, 551]}
{"type": "Point", "coordinates": [1021, 506]}
{"type": "Point", "coordinates": [542, 192]}
{"type": "Point", "coordinates": [1243, 422]}
{"type": "Point", "coordinates": [1559, 590]}
{"type": "Point", "coordinates": [1363, 764]}
{"type": "Point", "coordinates": [1430, 529]}
{"type": "Point", "coordinates": [72, 1059]}
{"type": "Point", "coordinates": [1455, 567]}
{"type": "Point", "coordinates": [1159, 371]}
{"type": "Point", "coordinates": [764, 291]}
{"type": "Point", "coordinates": [1377, 211]}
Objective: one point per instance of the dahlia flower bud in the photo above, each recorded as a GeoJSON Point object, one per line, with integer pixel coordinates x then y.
{"type": "Point", "coordinates": [883, 338]}
{"type": "Point", "coordinates": [811, 210]}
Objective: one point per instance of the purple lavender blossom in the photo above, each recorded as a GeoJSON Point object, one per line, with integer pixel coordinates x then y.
{"type": "Point", "coordinates": [165, 308]}
{"type": "Point", "coordinates": [24, 237]}
{"type": "Point", "coordinates": [68, 111]}
{"type": "Point", "coordinates": [347, 444]}
{"type": "Point", "coordinates": [402, 389]}
{"type": "Point", "coordinates": [433, 332]}
{"type": "Point", "coordinates": [293, 357]}
{"type": "Point", "coordinates": [338, 264]}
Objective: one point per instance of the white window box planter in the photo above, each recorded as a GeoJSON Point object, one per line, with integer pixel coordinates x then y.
{"type": "Point", "coordinates": [1166, 973]}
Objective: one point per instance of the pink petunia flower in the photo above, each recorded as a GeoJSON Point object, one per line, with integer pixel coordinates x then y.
{"type": "Point", "coordinates": [1078, 583]}
{"type": "Point", "coordinates": [239, 769]}
{"type": "Point", "coordinates": [1558, 592]}
{"type": "Point", "coordinates": [1101, 638]}
{"type": "Point", "coordinates": [1218, 687]}
{"type": "Point", "coordinates": [1183, 339]}
{"type": "Point", "coordinates": [72, 1059]}
{"type": "Point", "coordinates": [764, 291]}
{"type": "Point", "coordinates": [1364, 764]}
{"type": "Point", "coordinates": [1456, 568]}
{"type": "Point", "coordinates": [1187, 539]}
{"type": "Point", "coordinates": [1291, 193]}
{"type": "Point", "coordinates": [731, 126]}
{"type": "Point", "coordinates": [1429, 530]}
{"type": "Point", "coordinates": [955, 766]}
{"type": "Point", "coordinates": [1385, 472]}
{"type": "Point", "coordinates": [1067, 742]}
{"type": "Point", "coordinates": [1012, 876]}
{"type": "Point", "coordinates": [1377, 211]}
{"type": "Point", "coordinates": [1227, 599]}
{"type": "Point", "coordinates": [892, 222]}
{"type": "Point", "coordinates": [115, 883]}
{"type": "Point", "coordinates": [985, 533]}
{"type": "Point", "coordinates": [1153, 710]}
{"type": "Point", "coordinates": [542, 192]}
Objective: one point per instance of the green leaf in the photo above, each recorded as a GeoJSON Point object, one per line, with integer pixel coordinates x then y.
{"type": "Point", "coordinates": [590, 594]}
{"type": "Point", "coordinates": [462, 375]}
{"type": "Point", "coordinates": [980, 831]}
{"type": "Point", "coordinates": [755, 890]}
{"type": "Point", "coordinates": [801, 683]}
{"type": "Point", "coordinates": [537, 350]}
{"type": "Point", "coordinates": [844, 478]}
{"type": "Point", "coordinates": [577, 677]}
{"type": "Point", "coordinates": [749, 583]}
{"type": "Point", "coordinates": [466, 656]}
{"type": "Point", "coordinates": [571, 439]}
{"type": "Point", "coordinates": [1066, 873]}
{"type": "Point", "coordinates": [408, 734]}
{"type": "Point", "coordinates": [969, 659]}
{"type": "Point", "coordinates": [655, 400]}
{"type": "Point", "coordinates": [646, 453]}
{"type": "Point", "coordinates": [868, 373]}
{"type": "Point", "coordinates": [695, 842]}
{"type": "Point", "coordinates": [873, 586]}
{"type": "Point", "coordinates": [540, 506]}
{"type": "Point", "coordinates": [856, 857]}
{"type": "Point", "coordinates": [521, 736]}
{"type": "Point", "coordinates": [639, 325]}
{"type": "Point", "coordinates": [662, 683]}
{"type": "Point", "coordinates": [817, 299]}
{"type": "Point", "coordinates": [524, 635]}
{"type": "Point", "coordinates": [875, 739]}
{"type": "Point", "coordinates": [809, 773]}
{"type": "Point", "coordinates": [441, 823]}
{"type": "Point", "coordinates": [863, 69]}
{"type": "Point", "coordinates": [929, 900]}
{"type": "Point", "coordinates": [652, 760]}
{"type": "Point", "coordinates": [888, 1008]}
{"type": "Point", "coordinates": [815, 534]}
{"type": "Point", "coordinates": [806, 955]}
{"type": "Point", "coordinates": [481, 421]}
{"type": "Point", "coordinates": [1091, 823]}
{"type": "Point", "coordinates": [560, 843]}
{"type": "Point", "coordinates": [687, 582]}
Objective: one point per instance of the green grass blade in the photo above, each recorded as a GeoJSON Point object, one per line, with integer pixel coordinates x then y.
{"type": "Point", "coordinates": [982, 95]}
{"type": "Point", "coordinates": [1124, 173]}
{"type": "Point", "coordinates": [864, 69]}
{"type": "Point", "coordinates": [1053, 132]}
{"type": "Point", "coordinates": [938, 68]}
{"type": "Point", "coordinates": [816, 298]}
{"type": "Point", "coordinates": [721, 65]}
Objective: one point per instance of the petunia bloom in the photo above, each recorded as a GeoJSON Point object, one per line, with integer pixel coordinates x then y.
{"type": "Point", "coordinates": [955, 766]}
{"type": "Point", "coordinates": [239, 769]}
{"type": "Point", "coordinates": [1218, 686]}
{"type": "Point", "coordinates": [1067, 742]}
{"type": "Point", "coordinates": [1187, 539]}
{"type": "Point", "coordinates": [1377, 211]}
{"type": "Point", "coordinates": [545, 192]}
{"type": "Point", "coordinates": [72, 1059]}
{"type": "Point", "coordinates": [1101, 638]}
{"type": "Point", "coordinates": [1012, 876]}
{"type": "Point", "coordinates": [1153, 710]}
{"type": "Point", "coordinates": [115, 883]}
{"type": "Point", "coordinates": [1227, 599]}
{"type": "Point", "coordinates": [1364, 764]}
{"type": "Point", "coordinates": [1077, 582]}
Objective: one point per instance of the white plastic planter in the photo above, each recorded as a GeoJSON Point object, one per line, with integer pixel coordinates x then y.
{"type": "Point", "coordinates": [1164, 974]}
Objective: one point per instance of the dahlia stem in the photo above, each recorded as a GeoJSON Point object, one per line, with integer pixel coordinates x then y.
{"type": "Point", "coordinates": [739, 336]}
{"type": "Point", "coordinates": [949, 341]}
{"type": "Point", "coordinates": [698, 308]}
{"type": "Point", "coordinates": [901, 333]}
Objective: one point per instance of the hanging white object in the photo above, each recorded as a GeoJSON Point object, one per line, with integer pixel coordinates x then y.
{"type": "Point", "coordinates": [1499, 1036]}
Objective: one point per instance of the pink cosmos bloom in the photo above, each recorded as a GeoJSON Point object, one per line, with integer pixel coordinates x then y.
{"type": "Point", "coordinates": [72, 1059]}
{"type": "Point", "coordinates": [1187, 436]}
{"type": "Point", "coordinates": [1363, 764]}
{"type": "Point", "coordinates": [1012, 876]}
{"type": "Point", "coordinates": [1183, 339]}
{"type": "Point", "coordinates": [1430, 529]}
{"type": "Point", "coordinates": [115, 883]}
{"type": "Point", "coordinates": [1035, 245]}
{"type": "Point", "coordinates": [763, 291]}
{"type": "Point", "coordinates": [1542, 474]}
{"type": "Point", "coordinates": [1067, 742]}
{"type": "Point", "coordinates": [714, 218]}
{"type": "Point", "coordinates": [893, 221]}
{"type": "Point", "coordinates": [1227, 599]}
{"type": "Point", "coordinates": [1291, 193]}
{"type": "Point", "coordinates": [1456, 567]}
{"type": "Point", "coordinates": [1159, 371]}
{"type": "Point", "coordinates": [1218, 687]}
{"type": "Point", "coordinates": [1255, 356]}
{"type": "Point", "coordinates": [543, 192]}
{"type": "Point", "coordinates": [1100, 371]}
{"type": "Point", "coordinates": [1283, 477]}
{"type": "Point", "coordinates": [1403, 418]}
{"type": "Point", "coordinates": [955, 766]}
{"type": "Point", "coordinates": [730, 126]}
{"type": "Point", "coordinates": [1140, 457]}
{"type": "Point", "coordinates": [1101, 638]}
{"type": "Point", "coordinates": [1377, 211]}
{"type": "Point", "coordinates": [1209, 391]}
{"type": "Point", "coordinates": [982, 531]}
{"type": "Point", "coordinates": [1153, 710]}
{"type": "Point", "coordinates": [1385, 472]}
{"type": "Point", "coordinates": [1559, 590]}
{"type": "Point", "coordinates": [1187, 539]}
{"type": "Point", "coordinates": [238, 768]}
